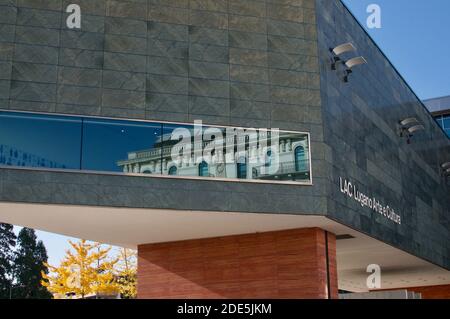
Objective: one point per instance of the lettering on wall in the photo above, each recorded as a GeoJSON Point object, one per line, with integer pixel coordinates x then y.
{"type": "Point", "coordinates": [351, 190]}
{"type": "Point", "coordinates": [74, 19]}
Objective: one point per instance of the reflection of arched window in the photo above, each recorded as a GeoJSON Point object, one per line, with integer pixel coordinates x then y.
{"type": "Point", "coordinates": [242, 168]}
{"type": "Point", "coordinates": [147, 172]}
{"type": "Point", "coordinates": [300, 160]}
{"type": "Point", "coordinates": [268, 161]}
{"type": "Point", "coordinates": [203, 169]}
{"type": "Point", "coordinates": [173, 170]}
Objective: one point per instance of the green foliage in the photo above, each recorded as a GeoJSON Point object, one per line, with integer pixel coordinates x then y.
{"type": "Point", "coordinates": [7, 243]}
{"type": "Point", "coordinates": [29, 264]}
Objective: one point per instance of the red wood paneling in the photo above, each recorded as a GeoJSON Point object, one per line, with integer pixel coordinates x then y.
{"type": "Point", "coordinates": [433, 292]}
{"type": "Point", "coordinates": [282, 264]}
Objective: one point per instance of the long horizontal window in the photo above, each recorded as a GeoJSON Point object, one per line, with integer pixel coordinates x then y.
{"type": "Point", "coordinates": [150, 148]}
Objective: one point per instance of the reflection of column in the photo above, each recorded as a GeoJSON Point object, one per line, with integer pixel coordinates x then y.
{"type": "Point", "coordinates": [153, 166]}
{"type": "Point", "coordinates": [283, 146]}
{"type": "Point", "coordinates": [164, 165]}
{"type": "Point", "coordinates": [252, 160]}
{"type": "Point", "coordinates": [136, 168]}
{"type": "Point", "coordinates": [289, 145]}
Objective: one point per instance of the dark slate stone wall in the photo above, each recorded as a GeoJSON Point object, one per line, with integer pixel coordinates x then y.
{"type": "Point", "coordinates": [232, 62]}
{"type": "Point", "coordinates": [360, 128]}
{"type": "Point", "coordinates": [67, 188]}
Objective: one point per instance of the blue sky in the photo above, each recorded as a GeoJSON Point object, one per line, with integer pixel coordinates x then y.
{"type": "Point", "coordinates": [415, 36]}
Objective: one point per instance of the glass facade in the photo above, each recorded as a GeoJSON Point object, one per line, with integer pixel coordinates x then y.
{"type": "Point", "coordinates": [444, 122]}
{"type": "Point", "coordinates": [149, 148]}
{"type": "Point", "coordinates": [40, 141]}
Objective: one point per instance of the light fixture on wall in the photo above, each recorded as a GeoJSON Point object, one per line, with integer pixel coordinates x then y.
{"type": "Point", "coordinates": [350, 64]}
{"type": "Point", "coordinates": [410, 121]}
{"type": "Point", "coordinates": [336, 59]}
{"type": "Point", "coordinates": [408, 127]}
{"type": "Point", "coordinates": [446, 169]}
{"type": "Point", "coordinates": [339, 50]}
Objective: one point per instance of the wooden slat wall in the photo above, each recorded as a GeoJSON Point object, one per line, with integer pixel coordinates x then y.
{"type": "Point", "coordinates": [282, 264]}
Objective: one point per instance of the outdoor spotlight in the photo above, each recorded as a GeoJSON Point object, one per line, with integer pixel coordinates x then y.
{"type": "Point", "coordinates": [409, 126]}
{"type": "Point", "coordinates": [355, 62]}
{"type": "Point", "coordinates": [340, 49]}
{"type": "Point", "coordinates": [446, 169]}
{"type": "Point", "coordinates": [409, 121]}
{"type": "Point", "coordinates": [412, 130]}
{"type": "Point", "coordinates": [416, 128]}
{"type": "Point", "coordinates": [343, 48]}
{"type": "Point", "coordinates": [351, 64]}
{"type": "Point", "coordinates": [446, 172]}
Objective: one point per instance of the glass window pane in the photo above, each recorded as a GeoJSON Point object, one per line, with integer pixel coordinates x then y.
{"type": "Point", "coordinates": [122, 146]}
{"type": "Point", "coordinates": [203, 169]}
{"type": "Point", "coordinates": [152, 148]}
{"type": "Point", "coordinates": [242, 170]}
{"type": "Point", "coordinates": [202, 155]}
{"type": "Point", "coordinates": [446, 122]}
{"type": "Point", "coordinates": [40, 141]}
{"type": "Point", "coordinates": [300, 159]}
{"type": "Point", "coordinates": [178, 166]}
{"type": "Point", "coordinates": [289, 161]}
{"type": "Point", "coordinates": [173, 170]}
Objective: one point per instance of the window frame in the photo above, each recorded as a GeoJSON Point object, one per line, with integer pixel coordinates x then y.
{"type": "Point", "coordinates": [213, 179]}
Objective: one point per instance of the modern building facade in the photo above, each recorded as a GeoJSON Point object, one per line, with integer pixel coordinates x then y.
{"type": "Point", "coordinates": [440, 108]}
{"type": "Point", "coordinates": [332, 170]}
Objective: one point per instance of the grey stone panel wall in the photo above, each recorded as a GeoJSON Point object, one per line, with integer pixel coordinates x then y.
{"type": "Point", "coordinates": [231, 62]}
{"type": "Point", "coordinates": [67, 188]}
{"type": "Point", "coordinates": [251, 63]}
{"type": "Point", "coordinates": [360, 125]}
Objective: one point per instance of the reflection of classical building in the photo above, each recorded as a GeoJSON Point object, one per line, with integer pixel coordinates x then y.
{"type": "Point", "coordinates": [14, 157]}
{"type": "Point", "coordinates": [293, 161]}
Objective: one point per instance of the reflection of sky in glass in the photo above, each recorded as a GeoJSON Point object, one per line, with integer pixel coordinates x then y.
{"type": "Point", "coordinates": [107, 141]}
{"type": "Point", "coordinates": [55, 139]}
{"type": "Point", "coordinates": [55, 142]}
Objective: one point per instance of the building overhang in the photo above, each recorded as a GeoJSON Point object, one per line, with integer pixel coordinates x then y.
{"type": "Point", "coordinates": [131, 227]}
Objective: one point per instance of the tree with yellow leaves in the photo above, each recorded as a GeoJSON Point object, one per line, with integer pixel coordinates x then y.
{"type": "Point", "coordinates": [86, 271]}
{"type": "Point", "coordinates": [126, 275]}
